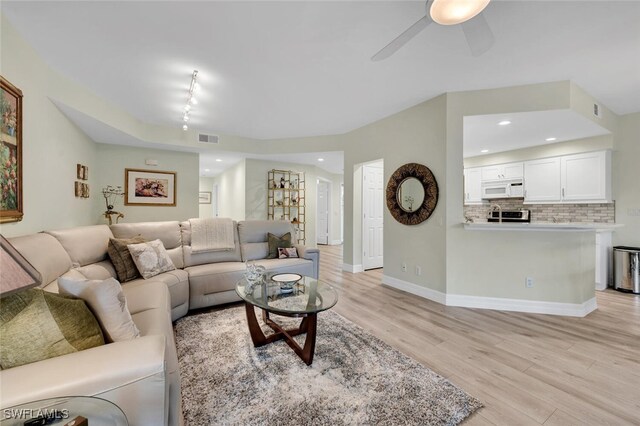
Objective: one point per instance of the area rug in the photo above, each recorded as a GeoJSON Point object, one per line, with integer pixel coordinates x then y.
{"type": "Point", "coordinates": [355, 378]}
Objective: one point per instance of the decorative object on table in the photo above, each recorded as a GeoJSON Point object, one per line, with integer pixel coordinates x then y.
{"type": "Point", "coordinates": [204, 197]}
{"type": "Point", "coordinates": [286, 199]}
{"type": "Point", "coordinates": [356, 378]}
{"type": "Point", "coordinates": [111, 195]}
{"type": "Point", "coordinates": [412, 184]}
{"type": "Point", "coordinates": [254, 273]}
{"type": "Point", "coordinates": [149, 188]}
{"type": "Point", "coordinates": [10, 152]}
{"type": "Point", "coordinates": [286, 281]}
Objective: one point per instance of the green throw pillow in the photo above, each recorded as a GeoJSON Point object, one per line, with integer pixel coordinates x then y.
{"type": "Point", "coordinates": [276, 242]}
{"type": "Point", "coordinates": [37, 325]}
{"type": "Point", "coordinates": [121, 257]}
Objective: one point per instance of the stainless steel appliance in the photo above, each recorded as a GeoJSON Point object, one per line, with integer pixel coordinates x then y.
{"type": "Point", "coordinates": [626, 272]}
{"type": "Point", "coordinates": [503, 188]}
{"type": "Point", "coordinates": [522, 215]}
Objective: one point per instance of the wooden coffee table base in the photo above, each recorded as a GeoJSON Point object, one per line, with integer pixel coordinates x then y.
{"type": "Point", "coordinates": [308, 325]}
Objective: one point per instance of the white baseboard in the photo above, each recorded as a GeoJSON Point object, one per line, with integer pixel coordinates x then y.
{"type": "Point", "coordinates": [495, 303]}
{"type": "Point", "coordinates": [336, 242]}
{"type": "Point", "coordinates": [521, 305]}
{"type": "Point", "coordinates": [412, 288]}
{"type": "Point", "coordinates": [354, 269]}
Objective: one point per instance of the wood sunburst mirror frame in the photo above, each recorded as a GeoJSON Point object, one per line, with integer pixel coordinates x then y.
{"type": "Point", "coordinates": [429, 184]}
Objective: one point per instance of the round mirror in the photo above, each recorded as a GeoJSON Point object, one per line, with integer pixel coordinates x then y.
{"type": "Point", "coordinates": [410, 194]}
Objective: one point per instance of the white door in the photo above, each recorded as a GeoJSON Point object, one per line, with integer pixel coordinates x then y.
{"type": "Point", "coordinates": [542, 180]}
{"type": "Point", "coordinates": [323, 213]}
{"type": "Point", "coordinates": [372, 208]}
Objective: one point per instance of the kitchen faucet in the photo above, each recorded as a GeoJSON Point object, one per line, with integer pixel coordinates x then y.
{"type": "Point", "coordinates": [495, 207]}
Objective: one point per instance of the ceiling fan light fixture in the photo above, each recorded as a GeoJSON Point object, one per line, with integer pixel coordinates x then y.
{"type": "Point", "coordinates": [452, 12]}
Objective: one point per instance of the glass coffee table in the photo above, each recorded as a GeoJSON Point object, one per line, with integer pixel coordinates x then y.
{"type": "Point", "coordinates": [307, 297]}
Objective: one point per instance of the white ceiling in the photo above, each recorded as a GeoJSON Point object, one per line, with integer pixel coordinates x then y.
{"type": "Point", "coordinates": [333, 162]}
{"type": "Point", "coordinates": [290, 69]}
{"type": "Point", "coordinates": [526, 129]}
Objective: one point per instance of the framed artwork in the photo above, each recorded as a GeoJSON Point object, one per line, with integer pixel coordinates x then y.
{"type": "Point", "coordinates": [82, 172]}
{"type": "Point", "coordinates": [10, 152]}
{"type": "Point", "coordinates": [204, 197]}
{"type": "Point", "coordinates": [149, 188]}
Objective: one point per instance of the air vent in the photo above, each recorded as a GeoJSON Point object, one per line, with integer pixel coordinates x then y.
{"type": "Point", "coordinates": [596, 111]}
{"type": "Point", "coordinates": [207, 138]}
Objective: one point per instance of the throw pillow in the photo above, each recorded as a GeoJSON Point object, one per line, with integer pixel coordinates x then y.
{"type": "Point", "coordinates": [276, 242]}
{"type": "Point", "coordinates": [151, 258]}
{"type": "Point", "coordinates": [37, 325]}
{"type": "Point", "coordinates": [121, 257]}
{"type": "Point", "coordinates": [107, 301]}
{"type": "Point", "coordinates": [284, 253]}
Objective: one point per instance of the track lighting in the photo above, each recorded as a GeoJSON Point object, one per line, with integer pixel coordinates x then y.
{"type": "Point", "coordinates": [191, 100]}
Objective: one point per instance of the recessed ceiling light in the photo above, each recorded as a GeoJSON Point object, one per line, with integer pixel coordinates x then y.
{"type": "Point", "coordinates": [207, 170]}
{"type": "Point", "coordinates": [550, 139]}
{"type": "Point", "coordinates": [484, 150]}
{"type": "Point", "coordinates": [504, 123]}
{"type": "Point", "coordinates": [320, 159]}
{"type": "Point", "coordinates": [218, 159]}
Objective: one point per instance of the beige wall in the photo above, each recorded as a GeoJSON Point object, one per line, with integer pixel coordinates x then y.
{"type": "Point", "coordinates": [114, 159]}
{"type": "Point", "coordinates": [417, 134]}
{"type": "Point", "coordinates": [626, 178]}
{"type": "Point", "coordinates": [231, 191]}
{"type": "Point", "coordinates": [52, 146]}
{"type": "Point", "coordinates": [542, 151]}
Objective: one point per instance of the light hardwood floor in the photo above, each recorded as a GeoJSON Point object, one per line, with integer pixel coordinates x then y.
{"type": "Point", "coordinates": [527, 369]}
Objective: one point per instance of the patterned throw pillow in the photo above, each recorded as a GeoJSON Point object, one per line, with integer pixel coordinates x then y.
{"type": "Point", "coordinates": [121, 257]}
{"type": "Point", "coordinates": [284, 253]}
{"type": "Point", "coordinates": [151, 258]}
{"type": "Point", "coordinates": [37, 325]}
{"type": "Point", "coordinates": [107, 301]}
{"type": "Point", "coordinates": [276, 242]}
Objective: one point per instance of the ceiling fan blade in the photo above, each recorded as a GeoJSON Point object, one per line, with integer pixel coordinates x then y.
{"type": "Point", "coordinates": [402, 39]}
{"type": "Point", "coordinates": [478, 34]}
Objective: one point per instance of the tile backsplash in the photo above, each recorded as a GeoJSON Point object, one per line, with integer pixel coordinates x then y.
{"type": "Point", "coordinates": [560, 213]}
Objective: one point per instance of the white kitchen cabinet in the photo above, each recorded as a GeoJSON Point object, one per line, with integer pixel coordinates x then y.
{"type": "Point", "coordinates": [586, 177]}
{"type": "Point", "coordinates": [542, 180]}
{"type": "Point", "coordinates": [472, 185]}
{"type": "Point", "coordinates": [503, 171]}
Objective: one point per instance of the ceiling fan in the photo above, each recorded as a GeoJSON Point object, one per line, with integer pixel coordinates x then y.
{"type": "Point", "coordinates": [467, 13]}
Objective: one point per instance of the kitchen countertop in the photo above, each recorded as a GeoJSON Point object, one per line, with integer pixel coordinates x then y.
{"type": "Point", "coordinates": [541, 226]}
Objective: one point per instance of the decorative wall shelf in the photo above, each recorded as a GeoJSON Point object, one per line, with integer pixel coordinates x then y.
{"type": "Point", "coordinates": [286, 199]}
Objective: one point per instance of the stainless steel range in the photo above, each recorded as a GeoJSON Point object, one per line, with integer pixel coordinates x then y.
{"type": "Point", "coordinates": [522, 215]}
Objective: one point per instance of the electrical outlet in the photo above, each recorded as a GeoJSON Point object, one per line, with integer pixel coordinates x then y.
{"type": "Point", "coordinates": [404, 267]}
{"type": "Point", "coordinates": [418, 270]}
{"type": "Point", "coordinates": [528, 282]}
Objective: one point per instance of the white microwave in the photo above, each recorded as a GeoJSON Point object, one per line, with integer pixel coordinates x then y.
{"type": "Point", "coordinates": [503, 188]}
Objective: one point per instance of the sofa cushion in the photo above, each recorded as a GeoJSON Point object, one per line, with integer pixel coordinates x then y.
{"type": "Point", "coordinates": [107, 302]}
{"type": "Point", "coordinates": [37, 325]}
{"type": "Point", "coordinates": [121, 257]}
{"type": "Point", "coordinates": [167, 232]}
{"type": "Point", "coordinates": [151, 258]}
{"type": "Point", "coordinates": [97, 271]}
{"type": "Point", "coordinates": [45, 253]}
{"type": "Point", "coordinates": [85, 244]}
{"type": "Point", "coordinates": [284, 253]}
{"type": "Point", "coordinates": [276, 242]}
{"type": "Point", "coordinates": [191, 259]}
{"type": "Point", "coordinates": [253, 236]}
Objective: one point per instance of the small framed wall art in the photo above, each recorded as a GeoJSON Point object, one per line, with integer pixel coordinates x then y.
{"type": "Point", "coordinates": [149, 188]}
{"type": "Point", "coordinates": [204, 197]}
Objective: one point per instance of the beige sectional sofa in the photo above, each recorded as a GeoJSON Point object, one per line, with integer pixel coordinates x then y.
{"type": "Point", "coordinates": [141, 376]}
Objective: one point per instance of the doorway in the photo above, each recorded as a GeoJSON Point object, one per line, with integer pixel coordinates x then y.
{"type": "Point", "coordinates": [322, 215]}
{"type": "Point", "coordinates": [372, 215]}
